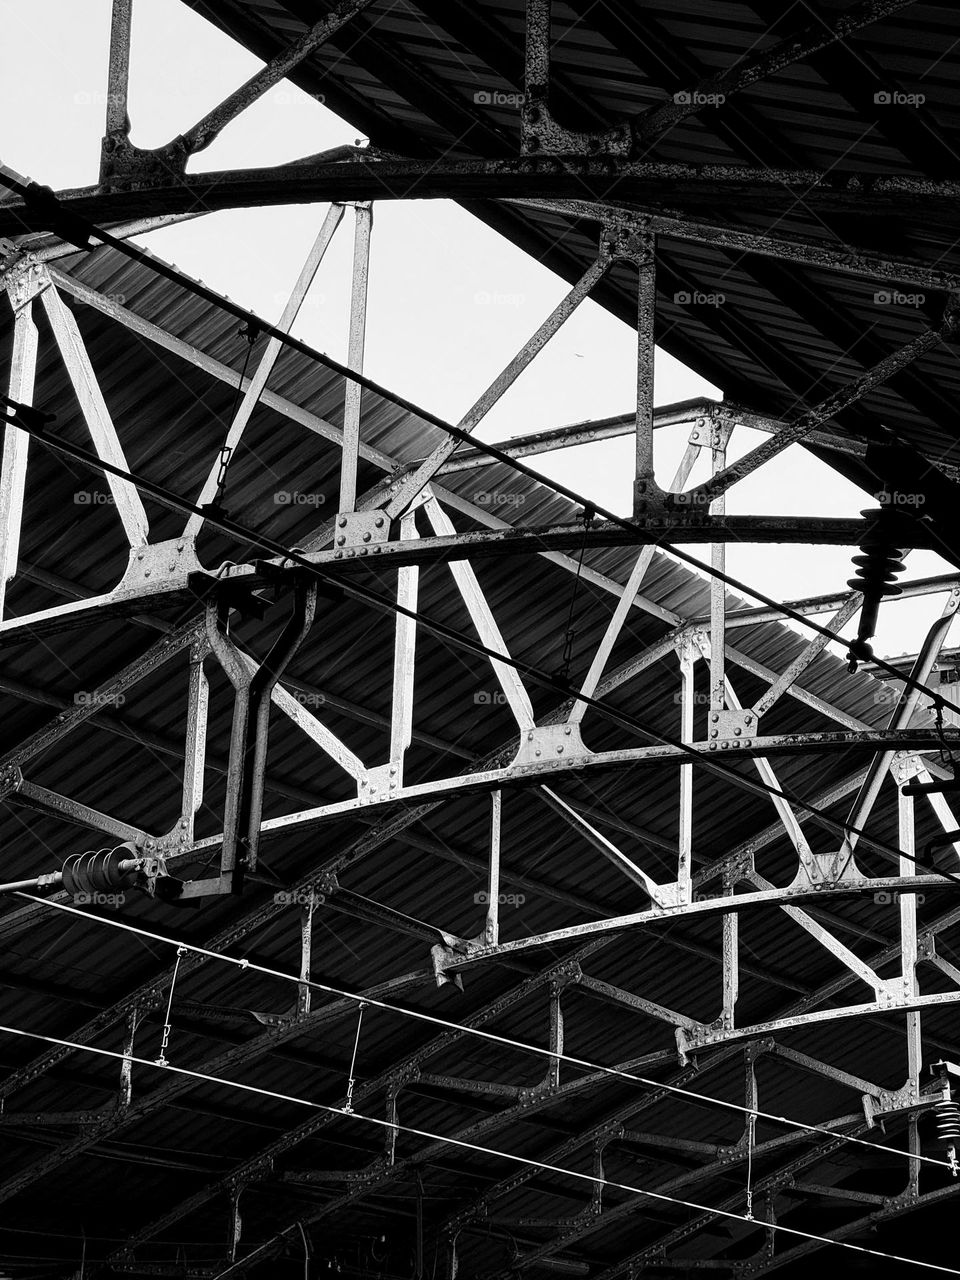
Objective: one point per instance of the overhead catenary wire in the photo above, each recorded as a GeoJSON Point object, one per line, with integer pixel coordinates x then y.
{"type": "Point", "coordinates": [171, 273]}
{"type": "Point", "coordinates": [27, 419]}
{"type": "Point", "coordinates": [79, 231]}
{"type": "Point", "coordinates": [938, 703]}
{"type": "Point", "coordinates": [75, 226]}
{"type": "Point", "coordinates": [541, 1165]}
{"type": "Point", "coordinates": [490, 1036]}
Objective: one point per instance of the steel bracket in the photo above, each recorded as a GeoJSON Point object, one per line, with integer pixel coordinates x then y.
{"type": "Point", "coordinates": [630, 240]}
{"type": "Point", "coordinates": [760, 1261]}
{"type": "Point", "coordinates": [539, 132]}
{"type": "Point", "coordinates": [926, 947]}
{"type": "Point", "coordinates": [158, 564]}
{"type": "Point", "coordinates": [711, 432]}
{"type": "Point", "coordinates": [689, 1041]}
{"type": "Point", "coordinates": [25, 280]}
{"type": "Point", "coordinates": [11, 779]}
{"type": "Point", "coordinates": [738, 867]}
{"type": "Point", "coordinates": [565, 975]}
{"type": "Point", "coordinates": [126, 167]}
{"type": "Point", "coordinates": [903, 1201]}
{"type": "Point", "coordinates": [383, 782]}
{"type": "Point", "coordinates": [360, 533]}
{"type": "Point", "coordinates": [728, 726]}
{"type": "Point", "coordinates": [714, 431]}
{"type": "Point", "coordinates": [698, 1037]}
{"type": "Point", "coordinates": [826, 871]}
{"type": "Point", "coordinates": [536, 1093]}
{"type": "Point", "coordinates": [559, 743]}
{"type": "Point", "coordinates": [442, 956]}
{"type": "Point", "coordinates": [664, 509]}
{"type": "Point", "coordinates": [888, 1102]}
{"type": "Point", "coordinates": [905, 766]}
{"type": "Point", "coordinates": [177, 839]}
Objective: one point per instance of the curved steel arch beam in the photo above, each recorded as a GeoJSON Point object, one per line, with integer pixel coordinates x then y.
{"type": "Point", "coordinates": [677, 187]}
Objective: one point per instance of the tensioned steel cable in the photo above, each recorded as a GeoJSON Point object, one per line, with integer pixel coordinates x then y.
{"type": "Point", "coordinates": [434, 1020]}
{"type": "Point", "coordinates": [505, 458]}
{"type": "Point", "coordinates": [33, 422]}
{"type": "Point", "coordinates": [79, 231]}
{"type": "Point", "coordinates": [476, 1148]}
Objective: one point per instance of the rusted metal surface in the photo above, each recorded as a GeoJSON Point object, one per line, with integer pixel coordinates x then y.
{"type": "Point", "coordinates": [620, 793]}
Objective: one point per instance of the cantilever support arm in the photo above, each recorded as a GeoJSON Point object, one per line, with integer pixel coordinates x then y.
{"type": "Point", "coordinates": [251, 719]}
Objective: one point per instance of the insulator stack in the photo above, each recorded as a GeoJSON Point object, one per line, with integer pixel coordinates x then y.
{"type": "Point", "coordinates": [101, 871]}
{"type": "Point", "coordinates": [878, 567]}
{"type": "Point", "coordinates": [947, 1115]}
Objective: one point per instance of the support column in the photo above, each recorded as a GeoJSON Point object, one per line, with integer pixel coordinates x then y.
{"type": "Point", "coordinates": [404, 655]}
{"type": "Point", "coordinates": [731, 958]}
{"type": "Point", "coordinates": [719, 435]}
{"type": "Point", "coordinates": [126, 1067]}
{"type": "Point", "coordinates": [358, 325]}
{"type": "Point", "coordinates": [491, 933]}
{"type": "Point", "coordinates": [13, 469]}
{"type": "Point", "coordinates": [194, 759]}
{"type": "Point", "coordinates": [644, 484]}
{"type": "Point", "coordinates": [118, 74]}
{"type": "Point", "coordinates": [908, 943]}
{"type": "Point", "coordinates": [306, 954]}
{"type": "Point", "coordinates": [685, 837]}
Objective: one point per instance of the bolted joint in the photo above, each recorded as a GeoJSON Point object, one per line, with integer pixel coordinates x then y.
{"type": "Point", "coordinates": [633, 241]}
{"type": "Point", "coordinates": [565, 976]}
{"type": "Point", "coordinates": [11, 779]}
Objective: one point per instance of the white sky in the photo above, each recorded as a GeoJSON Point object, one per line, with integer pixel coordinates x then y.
{"type": "Point", "coordinates": [450, 301]}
